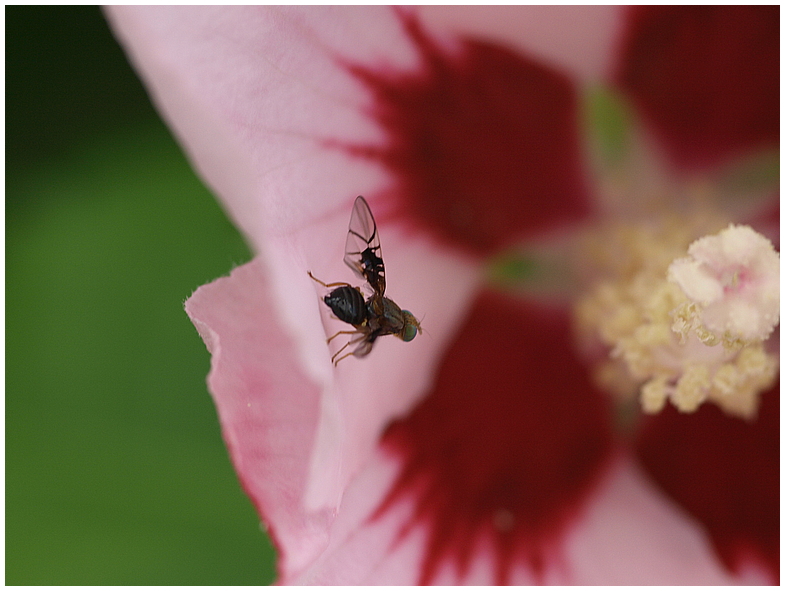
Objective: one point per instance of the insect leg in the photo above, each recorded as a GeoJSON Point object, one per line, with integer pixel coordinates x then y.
{"type": "Point", "coordinates": [343, 332]}
{"type": "Point", "coordinates": [335, 362]}
{"type": "Point", "coordinates": [338, 352]}
{"type": "Point", "coordinates": [328, 284]}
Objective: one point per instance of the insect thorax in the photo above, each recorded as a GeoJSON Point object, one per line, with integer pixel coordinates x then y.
{"type": "Point", "coordinates": [387, 314]}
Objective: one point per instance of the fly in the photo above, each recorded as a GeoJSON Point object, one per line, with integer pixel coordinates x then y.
{"type": "Point", "coordinates": [377, 315]}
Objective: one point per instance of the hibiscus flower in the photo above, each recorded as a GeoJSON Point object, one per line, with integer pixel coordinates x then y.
{"type": "Point", "coordinates": [538, 176]}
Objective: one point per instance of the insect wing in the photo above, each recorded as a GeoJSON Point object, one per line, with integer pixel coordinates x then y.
{"type": "Point", "coordinates": [363, 345]}
{"type": "Point", "coordinates": [363, 252]}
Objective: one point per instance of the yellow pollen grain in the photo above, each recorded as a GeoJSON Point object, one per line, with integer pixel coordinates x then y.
{"type": "Point", "coordinates": [692, 388]}
{"type": "Point", "coordinates": [654, 394]}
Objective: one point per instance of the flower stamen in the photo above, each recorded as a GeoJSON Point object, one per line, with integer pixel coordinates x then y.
{"type": "Point", "coordinates": [662, 317]}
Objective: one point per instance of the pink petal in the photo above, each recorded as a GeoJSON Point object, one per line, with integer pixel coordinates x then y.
{"type": "Point", "coordinates": [578, 40]}
{"type": "Point", "coordinates": [632, 534]}
{"type": "Point", "coordinates": [705, 77]}
{"type": "Point", "coordinates": [255, 95]}
{"type": "Point", "coordinates": [364, 550]}
{"type": "Point", "coordinates": [268, 408]}
{"type": "Point", "coordinates": [253, 92]}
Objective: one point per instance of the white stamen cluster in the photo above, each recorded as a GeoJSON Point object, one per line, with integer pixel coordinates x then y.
{"type": "Point", "coordinates": [733, 283]}
{"type": "Point", "coordinates": [660, 317]}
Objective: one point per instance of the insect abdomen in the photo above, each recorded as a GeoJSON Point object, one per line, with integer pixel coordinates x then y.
{"type": "Point", "coordinates": [348, 304]}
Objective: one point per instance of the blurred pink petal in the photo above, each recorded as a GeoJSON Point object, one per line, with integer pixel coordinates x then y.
{"type": "Point", "coordinates": [577, 40]}
{"type": "Point", "coordinates": [634, 535]}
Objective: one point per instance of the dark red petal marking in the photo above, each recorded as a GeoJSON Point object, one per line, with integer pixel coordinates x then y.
{"type": "Point", "coordinates": [706, 78]}
{"type": "Point", "coordinates": [507, 445]}
{"type": "Point", "coordinates": [725, 472]}
{"type": "Point", "coordinates": [483, 144]}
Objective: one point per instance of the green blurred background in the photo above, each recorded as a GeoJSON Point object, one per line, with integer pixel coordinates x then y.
{"type": "Point", "coordinates": [115, 468]}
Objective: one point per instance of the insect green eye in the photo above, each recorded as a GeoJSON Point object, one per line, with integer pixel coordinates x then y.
{"type": "Point", "coordinates": [410, 329]}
